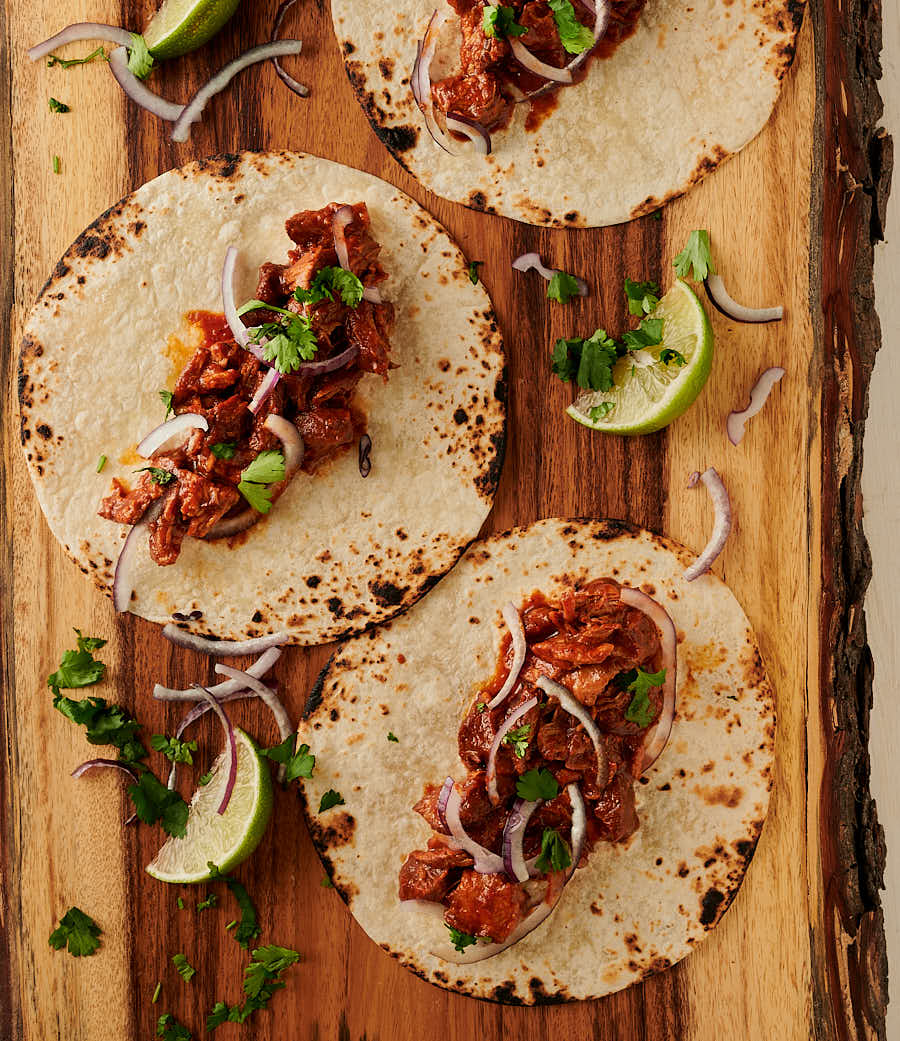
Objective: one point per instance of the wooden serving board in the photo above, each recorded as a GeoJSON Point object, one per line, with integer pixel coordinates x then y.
{"type": "Point", "coordinates": [800, 953]}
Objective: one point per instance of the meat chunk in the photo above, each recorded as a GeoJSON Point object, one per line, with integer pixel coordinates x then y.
{"type": "Point", "coordinates": [127, 507]}
{"type": "Point", "coordinates": [476, 96]}
{"type": "Point", "coordinates": [428, 874]}
{"type": "Point", "coordinates": [615, 813]}
{"type": "Point", "coordinates": [369, 327]}
{"type": "Point", "coordinates": [485, 905]}
{"type": "Point", "coordinates": [478, 52]}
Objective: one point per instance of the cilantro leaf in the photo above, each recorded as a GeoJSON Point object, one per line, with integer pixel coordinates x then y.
{"type": "Point", "coordinates": [249, 925]}
{"type": "Point", "coordinates": [106, 724]}
{"type": "Point", "coordinates": [224, 449]}
{"type": "Point", "coordinates": [328, 279]}
{"type": "Point", "coordinates": [267, 468]}
{"type": "Point", "coordinates": [185, 970]}
{"type": "Point", "coordinates": [555, 853]}
{"type": "Point", "coordinates": [204, 779]}
{"type": "Point", "coordinates": [641, 709]}
{"type": "Point", "coordinates": [156, 992]}
{"type": "Point", "coordinates": [67, 63]}
{"type": "Point", "coordinates": [667, 356]}
{"type": "Point", "coordinates": [697, 254]}
{"type": "Point", "coordinates": [642, 297]}
{"type": "Point", "coordinates": [326, 883]}
{"type": "Point", "coordinates": [474, 265]}
{"type": "Point", "coordinates": [57, 167]}
{"type": "Point", "coordinates": [518, 737]}
{"type": "Point", "coordinates": [211, 901]}
{"type": "Point", "coordinates": [566, 356]}
{"type": "Point", "coordinates": [217, 1017]}
{"type": "Point", "coordinates": [297, 763]}
{"type": "Point", "coordinates": [574, 36]}
{"type": "Point", "coordinates": [79, 668]}
{"type": "Point", "coordinates": [267, 964]}
{"type": "Point", "coordinates": [153, 801]}
{"type": "Point", "coordinates": [393, 737]}
{"type": "Point", "coordinates": [175, 750]}
{"type": "Point", "coordinates": [647, 334]}
{"type": "Point", "coordinates": [461, 940]}
{"type": "Point", "coordinates": [166, 398]}
{"type": "Point", "coordinates": [601, 411]}
{"type": "Point", "coordinates": [140, 60]}
{"type": "Point", "coordinates": [562, 287]}
{"type": "Point", "coordinates": [77, 931]}
{"type": "Point", "coordinates": [329, 799]}
{"type": "Point", "coordinates": [58, 106]}
{"type": "Point", "coordinates": [157, 475]}
{"type": "Point", "coordinates": [101, 462]}
{"type": "Point", "coordinates": [169, 1029]}
{"type": "Point", "coordinates": [598, 355]}
{"type": "Point", "coordinates": [499, 21]}
{"type": "Point", "coordinates": [537, 784]}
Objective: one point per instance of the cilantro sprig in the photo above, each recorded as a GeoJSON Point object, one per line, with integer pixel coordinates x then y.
{"type": "Point", "coordinates": [518, 737]}
{"type": "Point", "coordinates": [58, 106]}
{"type": "Point", "coordinates": [153, 802]}
{"type": "Point", "coordinates": [267, 468]}
{"type": "Point", "coordinates": [562, 287]}
{"type": "Point", "coordinates": [169, 1029]}
{"type": "Point", "coordinates": [555, 853]}
{"type": "Point", "coordinates": [262, 978]}
{"type": "Point", "coordinates": [174, 749]}
{"type": "Point", "coordinates": [642, 297]}
{"type": "Point", "coordinates": [574, 36]}
{"type": "Point", "coordinates": [474, 265]}
{"type": "Point", "coordinates": [296, 763]}
{"type": "Point", "coordinates": [461, 940]}
{"type": "Point", "coordinates": [329, 280]}
{"type": "Point", "coordinates": [157, 475]}
{"type": "Point", "coordinates": [330, 799]}
{"type": "Point", "coordinates": [499, 21]}
{"type": "Point", "coordinates": [697, 254]}
{"type": "Point", "coordinates": [79, 668]}
{"type": "Point", "coordinates": [184, 968]}
{"type": "Point", "coordinates": [537, 784]}
{"type": "Point", "coordinates": [140, 60]}
{"type": "Point", "coordinates": [78, 932]}
{"type": "Point", "coordinates": [248, 928]}
{"type": "Point", "coordinates": [68, 63]}
{"type": "Point", "coordinates": [639, 684]}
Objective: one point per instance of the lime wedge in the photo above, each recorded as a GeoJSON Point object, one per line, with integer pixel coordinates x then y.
{"type": "Point", "coordinates": [647, 393]}
{"type": "Point", "coordinates": [180, 26]}
{"type": "Point", "coordinates": [226, 840]}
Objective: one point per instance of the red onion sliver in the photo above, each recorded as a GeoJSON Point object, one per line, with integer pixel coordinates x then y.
{"type": "Point", "coordinates": [238, 330]}
{"type": "Point", "coordinates": [342, 217]}
{"type": "Point", "coordinates": [693, 479]}
{"type": "Point", "coordinates": [758, 396]}
{"type": "Point", "coordinates": [229, 526]}
{"type": "Point", "coordinates": [718, 295]}
{"type": "Point", "coordinates": [574, 707]}
{"type": "Point", "coordinates": [264, 389]}
{"type": "Point", "coordinates": [165, 432]}
{"type": "Point", "coordinates": [420, 81]}
{"type": "Point", "coordinates": [365, 462]}
{"type": "Point", "coordinates": [223, 648]}
{"type": "Point", "coordinates": [533, 262]}
{"type": "Point", "coordinates": [513, 836]}
{"type": "Point", "coordinates": [291, 442]}
{"type": "Point", "coordinates": [372, 294]}
{"type": "Point", "coordinates": [221, 690]}
{"type": "Point", "coordinates": [655, 740]}
{"type": "Point", "coordinates": [508, 724]}
{"type": "Point", "coordinates": [533, 64]}
{"type": "Point", "coordinates": [266, 694]}
{"type": "Point", "coordinates": [112, 764]}
{"type": "Point", "coordinates": [192, 110]}
{"type": "Point", "coordinates": [721, 528]}
{"type": "Point", "coordinates": [486, 862]}
{"type": "Point", "coordinates": [78, 32]}
{"type": "Point", "coordinates": [232, 746]}
{"type": "Point", "coordinates": [139, 92]}
{"type": "Point", "coordinates": [474, 131]}
{"type": "Point", "coordinates": [579, 825]}
{"type": "Point", "coordinates": [520, 649]}
{"type": "Point", "coordinates": [123, 584]}
{"type": "Point", "coordinates": [289, 81]}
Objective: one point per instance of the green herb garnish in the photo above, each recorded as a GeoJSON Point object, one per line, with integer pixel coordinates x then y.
{"type": "Point", "coordinates": [248, 929]}
{"type": "Point", "coordinates": [641, 710]}
{"type": "Point", "coordinates": [169, 1029]}
{"type": "Point", "coordinates": [78, 932]}
{"type": "Point", "coordinates": [669, 356]}
{"type": "Point", "coordinates": [518, 737]}
{"type": "Point", "coordinates": [297, 763]}
{"type": "Point", "coordinates": [499, 21]}
{"type": "Point", "coordinates": [58, 106]}
{"type": "Point", "coordinates": [474, 265]}
{"type": "Point", "coordinates": [697, 254]}
{"type": "Point", "coordinates": [574, 36]}
{"type": "Point", "coordinates": [175, 750]}
{"type": "Point", "coordinates": [555, 853]}
{"type": "Point", "coordinates": [562, 287]}
{"type": "Point", "coordinates": [262, 978]}
{"type": "Point", "coordinates": [157, 475]}
{"type": "Point", "coordinates": [642, 297]}
{"type": "Point", "coordinates": [327, 280]}
{"type": "Point", "coordinates": [101, 462]}
{"type": "Point", "coordinates": [56, 164]}
{"type": "Point", "coordinates": [267, 468]}
{"type": "Point", "coordinates": [537, 784]}
{"type": "Point", "coordinates": [67, 63]}
{"type": "Point", "coordinates": [156, 993]}
{"type": "Point", "coordinates": [601, 411]}
{"type": "Point", "coordinates": [461, 940]}
{"type": "Point", "coordinates": [153, 801]}
{"type": "Point", "coordinates": [185, 970]}
{"type": "Point", "coordinates": [224, 449]}
{"type": "Point", "coordinates": [140, 60]}
{"type": "Point", "coordinates": [204, 779]}
{"type": "Point", "coordinates": [166, 398]}
{"type": "Point", "coordinates": [211, 901]}
{"type": "Point", "coordinates": [393, 737]}
{"type": "Point", "coordinates": [329, 799]}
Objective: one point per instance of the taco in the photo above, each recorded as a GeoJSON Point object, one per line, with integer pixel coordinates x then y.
{"type": "Point", "coordinates": [566, 112]}
{"type": "Point", "coordinates": [263, 467]}
{"type": "Point", "coordinates": [554, 770]}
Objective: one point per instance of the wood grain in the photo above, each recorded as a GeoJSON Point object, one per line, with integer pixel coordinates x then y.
{"type": "Point", "coordinates": [759, 974]}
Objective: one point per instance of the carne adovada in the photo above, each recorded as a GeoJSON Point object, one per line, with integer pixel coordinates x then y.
{"type": "Point", "coordinates": [325, 357]}
{"type": "Point", "coordinates": [594, 820]}
{"type": "Point", "coordinates": [552, 745]}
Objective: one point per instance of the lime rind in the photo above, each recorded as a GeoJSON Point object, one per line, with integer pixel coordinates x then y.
{"type": "Point", "coordinates": [181, 26]}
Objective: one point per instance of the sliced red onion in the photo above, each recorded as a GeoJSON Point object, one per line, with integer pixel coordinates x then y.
{"type": "Point", "coordinates": [266, 694]}
{"type": "Point", "coordinates": [139, 92]}
{"type": "Point", "coordinates": [693, 479]}
{"type": "Point", "coordinates": [230, 526]}
{"type": "Point", "coordinates": [165, 432]}
{"type": "Point", "coordinates": [601, 22]}
{"type": "Point", "coordinates": [486, 862]}
{"type": "Point", "coordinates": [343, 216]}
{"type": "Point", "coordinates": [239, 331]}
{"type": "Point", "coordinates": [533, 262]}
{"type": "Point", "coordinates": [221, 690]}
{"type": "Point", "coordinates": [291, 442]}
{"type": "Point", "coordinates": [655, 740]}
{"type": "Point", "coordinates": [758, 396]}
{"type": "Point", "coordinates": [473, 130]}
{"type": "Point", "coordinates": [112, 764]}
{"type": "Point", "coordinates": [718, 295]}
{"type": "Point", "coordinates": [123, 581]}
{"type": "Point", "coordinates": [81, 31]}
{"type": "Point", "coordinates": [721, 527]}
{"type": "Point", "coordinates": [192, 110]}
{"type": "Point", "coordinates": [514, 623]}
{"type": "Point", "coordinates": [508, 724]}
{"type": "Point", "coordinates": [513, 836]}
{"type": "Point", "coordinates": [289, 81]}
{"type": "Point", "coordinates": [528, 61]}
{"type": "Point", "coordinates": [365, 462]}
{"type": "Point", "coordinates": [574, 707]}
{"type": "Point", "coordinates": [309, 368]}
{"type": "Point", "coordinates": [420, 81]}
{"type": "Point", "coordinates": [232, 746]}
{"type": "Point", "coordinates": [372, 294]}
{"type": "Point", "coordinates": [264, 389]}
{"type": "Point", "coordinates": [223, 648]}
{"type": "Point", "coordinates": [579, 826]}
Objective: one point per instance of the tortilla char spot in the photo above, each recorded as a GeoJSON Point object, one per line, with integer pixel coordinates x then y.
{"type": "Point", "coordinates": [238, 199]}
{"type": "Point", "coordinates": [658, 964]}
{"type": "Point", "coordinates": [596, 908]}
{"type": "Point", "coordinates": [386, 66]}
{"type": "Point", "coordinates": [315, 695]}
{"type": "Point", "coordinates": [136, 227]}
{"type": "Point", "coordinates": [460, 416]}
{"type": "Point", "coordinates": [631, 942]}
{"type": "Point", "coordinates": [721, 795]}
{"type": "Point", "coordinates": [397, 139]}
{"type": "Point", "coordinates": [348, 47]}
{"type": "Point", "coordinates": [386, 594]}
{"type": "Point", "coordinates": [542, 996]}
{"type": "Point", "coordinates": [45, 431]}
{"type": "Point", "coordinates": [336, 606]}
{"type": "Point", "coordinates": [444, 364]}
{"type": "Point", "coordinates": [709, 906]}
{"type": "Point", "coordinates": [477, 201]}
{"type": "Point", "coordinates": [505, 993]}
{"type": "Point", "coordinates": [313, 580]}
{"type": "Point", "coordinates": [257, 616]}
{"type": "Point", "coordinates": [683, 870]}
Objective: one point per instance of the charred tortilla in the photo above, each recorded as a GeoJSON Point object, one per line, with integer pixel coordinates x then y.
{"type": "Point", "coordinates": [637, 906]}
{"type": "Point", "coordinates": [336, 553]}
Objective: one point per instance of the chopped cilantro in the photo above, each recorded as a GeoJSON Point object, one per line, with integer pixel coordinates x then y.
{"type": "Point", "coordinates": [153, 801]}
{"type": "Point", "coordinates": [329, 799]}
{"type": "Point", "coordinates": [332, 278]}
{"type": "Point", "coordinates": [601, 411]}
{"type": "Point", "coordinates": [518, 737]}
{"type": "Point", "coordinates": [647, 334]}
{"type": "Point", "coordinates": [562, 287]}
{"type": "Point", "coordinates": [230, 925]}
{"type": "Point", "coordinates": [58, 106]}
{"type": "Point", "coordinates": [211, 901]}
{"type": "Point", "coordinates": [461, 940]}
{"type": "Point", "coordinates": [185, 970]}
{"type": "Point", "coordinates": [106, 724]}
{"type": "Point", "coordinates": [175, 750]}
{"type": "Point", "coordinates": [326, 883]}
{"type": "Point", "coordinates": [642, 297]}
{"type": "Point", "coordinates": [204, 779]}
{"type": "Point", "coordinates": [287, 342]}
{"type": "Point", "coordinates": [76, 931]}
{"type": "Point", "coordinates": [56, 164]}
{"type": "Point", "coordinates": [297, 763]}
{"type": "Point", "coordinates": [555, 854]}
{"type": "Point", "coordinates": [474, 265]}
{"type": "Point", "coordinates": [481, 706]}
{"type": "Point", "coordinates": [140, 60]}
{"type": "Point", "coordinates": [641, 710]}
{"type": "Point", "coordinates": [669, 356]}
{"type": "Point", "coordinates": [156, 993]}
{"type": "Point", "coordinates": [157, 475]}
{"type": "Point", "coordinates": [101, 462]}
{"type": "Point", "coordinates": [574, 36]}
{"type": "Point", "coordinates": [166, 398]}
{"type": "Point", "coordinates": [393, 737]}
{"type": "Point", "coordinates": [499, 21]}
{"type": "Point", "coordinates": [267, 468]}
{"type": "Point", "coordinates": [537, 784]}
{"type": "Point", "coordinates": [248, 929]}
{"type": "Point", "coordinates": [262, 978]}
{"type": "Point", "coordinates": [169, 1029]}
{"type": "Point", "coordinates": [67, 63]}
{"type": "Point", "coordinates": [217, 1017]}
{"type": "Point", "coordinates": [224, 449]}
{"type": "Point", "coordinates": [180, 904]}
{"type": "Point", "coordinates": [589, 362]}
{"type": "Point", "coordinates": [697, 255]}
{"type": "Point", "coordinates": [79, 668]}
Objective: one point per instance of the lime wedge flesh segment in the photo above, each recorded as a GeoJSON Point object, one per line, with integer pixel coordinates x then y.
{"type": "Point", "coordinates": [180, 26]}
{"type": "Point", "coordinates": [227, 839]}
{"type": "Point", "coordinates": [647, 394]}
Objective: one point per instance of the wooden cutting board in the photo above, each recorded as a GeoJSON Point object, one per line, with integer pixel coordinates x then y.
{"type": "Point", "coordinates": [800, 953]}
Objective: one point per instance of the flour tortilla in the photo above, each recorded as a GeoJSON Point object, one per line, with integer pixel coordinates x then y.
{"type": "Point", "coordinates": [695, 83]}
{"type": "Point", "coordinates": [337, 553]}
{"type": "Point", "coordinates": [637, 907]}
